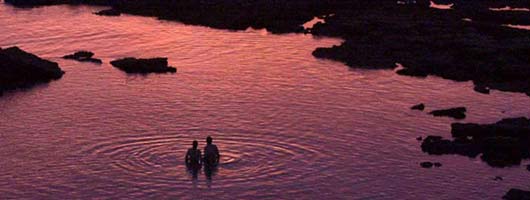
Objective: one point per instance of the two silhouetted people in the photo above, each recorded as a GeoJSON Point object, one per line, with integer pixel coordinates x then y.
{"type": "Point", "coordinates": [211, 157]}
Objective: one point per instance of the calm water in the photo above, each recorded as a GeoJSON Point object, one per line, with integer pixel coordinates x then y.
{"type": "Point", "coordinates": [288, 125]}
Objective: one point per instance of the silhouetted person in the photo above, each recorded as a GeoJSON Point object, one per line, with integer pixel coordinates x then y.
{"type": "Point", "coordinates": [193, 156]}
{"type": "Point", "coordinates": [211, 153]}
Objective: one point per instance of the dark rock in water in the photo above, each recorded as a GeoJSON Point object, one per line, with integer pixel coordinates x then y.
{"type": "Point", "coordinates": [83, 56]}
{"type": "Point", "coordinates": [426, 164]}
{"type": "Point", "coordinates": [142, 66]}
{"type": "Point", "coordinates": [498, 178]}
{"type": "Point", "coordinates": [418, 107]}
{"type": "Point", "coordinates": [419, 138]}
{"type": "Point", "coordinates": [437, 164]}
{"type": "Point", "coordinates": [19, 69]}
{"type": "Point", "coordinates": [108, 12]}
{"type": "Point", "coordinates": [457, 113]}
{"type": "Point", "coordinates": [528, 167]}
{"type": "Point", "coordinates": [502, 144]}
{"type": "Point", "coordinates": [517, 194]}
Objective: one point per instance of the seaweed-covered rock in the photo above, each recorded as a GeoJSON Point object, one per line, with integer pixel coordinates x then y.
{"type": "Point", "coordinates": [20, 69]}
{"type": "Point", "coordinates": [457, 113]}
{"type": "Point", "coordinates": [83, 56]}
{"type": "Point", "coordinates": [517, 194]}
{"type": "Point", "coordinates": [501, 144]}
{"type": "Point", "coordinates": [143, 66]}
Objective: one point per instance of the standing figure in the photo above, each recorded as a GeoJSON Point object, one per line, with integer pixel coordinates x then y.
{"type": "Point", "coordinates": [193, 156]}
{"type": "Point", "coordinates": [211, 153]}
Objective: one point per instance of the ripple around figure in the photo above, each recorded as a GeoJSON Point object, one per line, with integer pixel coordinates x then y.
{"type": "Point", "coordinates": [245, 156]}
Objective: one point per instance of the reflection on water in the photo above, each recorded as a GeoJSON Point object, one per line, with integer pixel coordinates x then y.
{"type": "Point", "coordinates": [288, 125]}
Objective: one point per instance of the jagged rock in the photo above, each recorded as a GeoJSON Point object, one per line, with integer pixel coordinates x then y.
{"type": "Point", "coordinates": [143, 66]}
{"type": "Point", "coordinates": [457, 113]}
{"type": "Point", "coordinates": [83, 56]}
{"type": "Point", "coordinates": [418, 107]}
{"type": "Point", "coordinates": [517, 194]}
{"type": "Point", "coordinates": [20, 69]}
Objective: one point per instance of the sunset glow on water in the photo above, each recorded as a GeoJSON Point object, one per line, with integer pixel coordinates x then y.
{"type": "Point", "coordinates": [289, 126]}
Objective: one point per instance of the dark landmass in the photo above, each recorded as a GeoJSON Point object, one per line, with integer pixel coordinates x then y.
{"type": "Point", "coordinates": [83, 56]}
{"type": "Point", "coordinates": [418, 107]}
{"type": "Point", "coordinates": [108, 12]}
{"type": "Point", "coordinates": [501, 144]}
{"type": "Point", "coordinates": [517, 194]}
{"type": "Point", "coordinates": [457, 113]}
{"type": "Point", "coordinates": [143, 66]}
{"type": "Point", "coordinates": [377, 34]}
{"type": "Point", "coordinates": [20, 69]}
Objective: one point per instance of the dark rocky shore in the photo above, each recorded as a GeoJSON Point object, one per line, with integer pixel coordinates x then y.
{"type": "Point", "coordinates": [502, 144]}
{"type": "Point", "coordinates": [143, 66]}
{"type": "Point", "coordinates": [20, 69]}
{"type": "Point", "coordinates": [377, 34]}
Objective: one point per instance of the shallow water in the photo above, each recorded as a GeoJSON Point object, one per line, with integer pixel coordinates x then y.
{"type": "Point", "coordinates": [288, 125]}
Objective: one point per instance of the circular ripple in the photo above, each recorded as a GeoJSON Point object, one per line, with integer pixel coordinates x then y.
{"type": "Point", "coordinates": [245, 157]}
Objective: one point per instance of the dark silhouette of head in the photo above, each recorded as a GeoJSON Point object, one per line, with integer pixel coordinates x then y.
{"type": "Point", "coordinates": [209, 140]}
{"type": "Point", "coordinates": [195, 144]}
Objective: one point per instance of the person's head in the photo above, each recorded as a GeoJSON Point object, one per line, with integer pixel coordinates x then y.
{"type": "Point", "coordinates": [209, 140]}
{"type": "Point", "coordinates": [195, 144]}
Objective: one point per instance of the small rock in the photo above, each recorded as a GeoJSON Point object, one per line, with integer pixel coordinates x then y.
{"type": "Point", "coordinates": [528, 167]}
{"type": "Point", "coordinates": [419, 138]}
{"type": "Point", "coordinates": [418, 107]}
{"type": "Point", "coordinates": [457, 113]}
{"type": "Point", "coordinates": [426, 164]}
{"type": "Point", "coordinates": [437, 164]}
{"type": "Point", "coordinates": [83, 56]}
{"type": "Point", "coordinates": [143, 66]}
{"type": "Point", "coordinates": [498, 178]}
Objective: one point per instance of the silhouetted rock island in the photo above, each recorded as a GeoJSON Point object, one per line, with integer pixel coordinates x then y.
{"type": "Point", "coordinates": [20, 69]}
{"type": "Point", "coordinates": [143, 66]}
{"type": "Point", "coordinates": [501, 144]}
{"type": "Point", "coordinates": [457, 113]}
{"type": "Point", "coordinates": [83, 56]}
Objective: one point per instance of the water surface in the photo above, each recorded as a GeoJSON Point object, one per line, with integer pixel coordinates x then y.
{"type": "Point", "coordinates": [288, 125]}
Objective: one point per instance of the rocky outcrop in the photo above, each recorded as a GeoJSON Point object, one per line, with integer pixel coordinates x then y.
{"type": "Point", "coordinates": [502, 144]}
{"type": "Point", "coordinates": [83, 56]}
{"type": "Point", "coordinates": [143, 66]}
{"type": "Point", "coordinates": [517, 194]}
{"type": "Point", "coordinates": [20, 69]}
{"type": "Point", "coordinates": [457, 113]}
